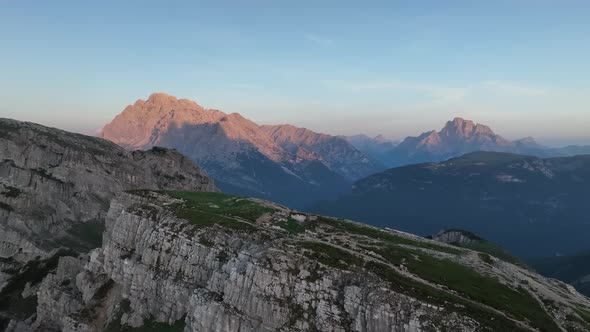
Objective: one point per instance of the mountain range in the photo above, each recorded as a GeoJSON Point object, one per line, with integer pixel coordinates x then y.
{"type": "Point", "coordinates": [378, 147]}
{"type": "Point", "coordinates": [290, 165]}
{"type": "Point", "coordinates": [529, 205]}
{"type": "Point", "coordinates": [97, 238]}
{"type": "Point", "coordinates": [458, 137]}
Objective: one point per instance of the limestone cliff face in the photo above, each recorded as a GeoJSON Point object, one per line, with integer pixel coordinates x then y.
{"type": "Point", "coordinates": [274, 271]}
{"type": "Point", "coordinates": [217, 280]}
{"type": "Point", "coordinates": [54, 184]}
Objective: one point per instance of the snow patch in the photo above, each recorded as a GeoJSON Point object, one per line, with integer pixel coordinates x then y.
{"type": "Point", "coordinates": [288, 171]}
{"type": "Point", "coordinates": [508, 178]}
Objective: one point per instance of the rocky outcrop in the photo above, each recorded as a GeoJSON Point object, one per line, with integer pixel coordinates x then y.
{"type": "Point", "coordinates": [457, 237]}
{"type": "Point", "coordinates": [55, 191]}
{"type": "Point", "coordinates": [51, 180]}
{"type": "Point", "coordinates": [274, 270]}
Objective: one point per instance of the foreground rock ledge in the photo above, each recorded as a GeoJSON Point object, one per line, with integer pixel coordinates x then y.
{"type": "Point", "coordinates": [210, 262]}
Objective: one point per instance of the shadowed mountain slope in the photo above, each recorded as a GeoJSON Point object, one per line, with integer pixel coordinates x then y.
{"type": "Point", "coordinates": [529, 205]}
{"type": "Point", "coordinates": [573, 269]}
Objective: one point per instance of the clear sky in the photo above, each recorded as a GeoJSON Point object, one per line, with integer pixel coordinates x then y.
{"type": "Point", "coordinates": [392, 67]}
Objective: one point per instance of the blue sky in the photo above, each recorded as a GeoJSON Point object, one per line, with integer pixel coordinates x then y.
{"type": "Point", "coordinates": [391, 67]}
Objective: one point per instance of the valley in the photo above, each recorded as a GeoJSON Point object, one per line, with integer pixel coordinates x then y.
{"type": "Point", "coordinates": [522, 203]}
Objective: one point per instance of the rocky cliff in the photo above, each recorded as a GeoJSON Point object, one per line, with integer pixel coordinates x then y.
{"type": "Point", "coordinates": [56, 188]}
{"type": "Point", "coordinates": [212, 262]}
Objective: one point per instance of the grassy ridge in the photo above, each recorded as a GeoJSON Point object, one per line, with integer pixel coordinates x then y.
{"type": "Point", "coordinates": [382, 235]}
{"type": "Point", "coordinates": [222, 204]}
{"type": "Point", "coordinates": [493, 250]}
{"type": "Point", "coordinates": [205, 209]}
{"type": "Point", "coordinates": [487, 290]}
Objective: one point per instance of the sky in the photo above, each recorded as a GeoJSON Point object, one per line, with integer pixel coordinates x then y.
{"type": "Point", "coordinates": [395, 68]}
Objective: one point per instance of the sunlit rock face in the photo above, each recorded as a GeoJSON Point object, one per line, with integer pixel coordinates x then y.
{"type": "Point", "coordinates": [294, 166]}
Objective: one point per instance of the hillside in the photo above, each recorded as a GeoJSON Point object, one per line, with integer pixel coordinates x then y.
{"type": "Point", "coordinates": [212, 262]}
{"type": "Point", "coordinates": [294, 166]}
{"type": "Point", "coordinates": [528, 205]}
{"type": "Point", "coordinates": [573, 269]}
{"type": "Point", "coordinates": [468, 240]}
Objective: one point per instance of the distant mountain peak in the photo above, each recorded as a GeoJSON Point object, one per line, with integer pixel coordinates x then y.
{"type": "Point", "coordinates": [379, 148]}
{"type": "Point", "coordinates": [160, 103]}
{"type": "Point", "coordinates": [259, 160]}
{"type": "Point", "coordinates": [459, 121]}
{"type": "Point", "coordinates": [460, 128]}
{"type": "Point", "coordinates": [381, 139]}
{"type": "Point", "coordinates": [527, 141]}
{"type": "Point", "coordinates": [429, 138]}
{"type": "Point", "coordinates": [161, 97]}
{"type": "Point", "coordinates": [457, 137]}
{"type": "Point", "coordinates": [163, 119]}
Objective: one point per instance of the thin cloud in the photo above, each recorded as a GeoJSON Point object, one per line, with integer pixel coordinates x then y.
{"type": "Point", "coordinates": [440, 93]}
{"type": "Point", "coordinates": [512, 88]}
{"type": "Point", "coordinates": [243, 86]}
{"type": "Point", "coordinates": [318, 40]}
{"type": "Point", "coordinates": [434, 93]}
